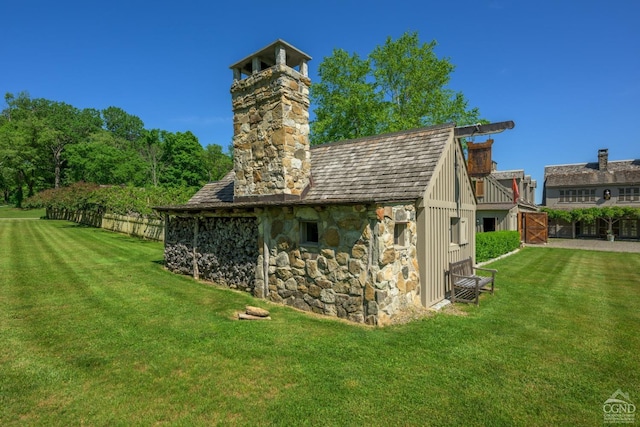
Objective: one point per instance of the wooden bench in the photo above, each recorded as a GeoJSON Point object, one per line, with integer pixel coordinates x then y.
{"type": "Point", "coordinates": [465, 284]}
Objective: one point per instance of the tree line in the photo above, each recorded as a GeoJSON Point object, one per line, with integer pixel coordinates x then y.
{"type": "Point", "coordinates": [48, 144]}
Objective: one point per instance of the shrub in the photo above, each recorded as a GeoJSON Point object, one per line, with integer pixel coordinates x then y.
{"type": "Point", "coordinates": [121, 200]}
{"type": "Point", "coordinates": [493, 244]}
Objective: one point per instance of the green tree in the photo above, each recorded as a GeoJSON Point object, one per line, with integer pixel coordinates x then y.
{"type": "Point", "coordinates": [414, 83]}
{"type": "Point", "coordinates": [122, 125]}
{"type": "Point", "coordinates": [611, 215]}
{"type": "Point", "coordinates": [347, 104]}
{"type": "Point", "coordinates": [102, 160]}
{"type": "Point", "coordinates": [66, 125]}
{"type": "Point", "coordinates": [183, 160]}
{"type": "Point", "coordinates": [216, 163]}
{"type": "Point", "coordinates": [48, 127]}
{"type": "Point", "coordinates": [400, 85]}
{"type": "Point", "coordinates": [21, 160]}
{"type": "Point", "coordinates": [151, 149]}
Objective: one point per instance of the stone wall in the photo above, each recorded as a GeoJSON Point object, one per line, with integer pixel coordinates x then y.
{"type": "Point", "coordinates": [397, 276]}
{"type": "Point", "coordinates": [220, 249]}
{"type": "Point", "coordinates": [354, 272]}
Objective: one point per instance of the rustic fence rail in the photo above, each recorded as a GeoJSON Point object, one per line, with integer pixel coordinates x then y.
{"type": "Point", "coordinates": [152, 229]}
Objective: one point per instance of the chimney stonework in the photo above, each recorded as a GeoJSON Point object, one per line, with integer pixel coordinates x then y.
{"type": "Point", "coordinates": [271, 130]}
{"type": "Point", "coordinates": [603, 159]}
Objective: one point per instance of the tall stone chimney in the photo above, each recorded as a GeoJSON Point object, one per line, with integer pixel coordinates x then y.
{"type": "Point", "coordinates": [270, 99]}
{"type": "Point", "coordinates": [603, 159]}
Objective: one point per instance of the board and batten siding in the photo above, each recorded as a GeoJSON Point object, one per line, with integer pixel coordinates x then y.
{"type": "Point", "coordinates": [438, 206]}
{"type": "Point", "coordinates": [494, 192]}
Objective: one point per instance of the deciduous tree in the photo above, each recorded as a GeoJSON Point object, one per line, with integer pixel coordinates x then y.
{"type": "Point", "coordinates": [400, 85]}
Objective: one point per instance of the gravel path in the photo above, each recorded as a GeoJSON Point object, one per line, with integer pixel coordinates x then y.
{"type": "Point", "coordinates": [592, 245]}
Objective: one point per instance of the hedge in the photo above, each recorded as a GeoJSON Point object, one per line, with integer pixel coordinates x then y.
{"type": "Point", "coordinates": [120, 200]}
{"type": "Point", "coordinates": [491, 245]}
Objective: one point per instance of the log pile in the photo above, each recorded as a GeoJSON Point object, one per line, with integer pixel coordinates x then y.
{"type": "Point", "coordinates": [226, 249]}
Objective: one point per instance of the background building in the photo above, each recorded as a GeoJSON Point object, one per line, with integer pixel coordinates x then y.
{"type": "Point", "coordinates": [598, 184]}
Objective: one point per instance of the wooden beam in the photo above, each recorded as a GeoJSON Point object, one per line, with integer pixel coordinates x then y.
{"type": "Point", "coordinates": [477, 130]}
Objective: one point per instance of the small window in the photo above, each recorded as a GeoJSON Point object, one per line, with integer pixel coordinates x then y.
{"type": "Point", "coordinates": [458, 231]}
{"type": "Point", "coordinates": [399, 232]}
{"type": "Point", "coordinates": [309, 232]}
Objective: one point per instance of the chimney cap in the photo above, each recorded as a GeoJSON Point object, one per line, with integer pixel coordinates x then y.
{"type": "Point", "coordinates": [267, 55]}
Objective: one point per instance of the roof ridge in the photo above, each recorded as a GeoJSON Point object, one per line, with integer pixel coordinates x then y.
{"type": "Point", "coordinates": [588, 163]}
{"type": "Point", "coordinates": [386, 135]}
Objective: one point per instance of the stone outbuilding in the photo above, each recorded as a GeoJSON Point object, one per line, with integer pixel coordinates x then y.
{"type": "Point", "coordinates": [357, 229]}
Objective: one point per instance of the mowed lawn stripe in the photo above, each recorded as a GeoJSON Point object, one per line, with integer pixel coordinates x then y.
{"type": "Point", "coordinates": [567, 316]}
{"type": "Point", "coordinates": [101, 334]}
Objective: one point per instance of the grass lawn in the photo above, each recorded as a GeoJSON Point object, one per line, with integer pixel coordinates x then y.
{"type": "Point", "coordinates": [95, 332]}
{"type": "Point", "coordinates": [11, 212]}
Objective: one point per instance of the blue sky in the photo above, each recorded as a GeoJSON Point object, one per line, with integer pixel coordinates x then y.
{"type": "Point", "coordinates": [567, 72]}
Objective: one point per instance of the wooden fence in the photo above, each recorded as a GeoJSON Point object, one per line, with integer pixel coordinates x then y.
{"type": "Point", "coordinates": [152, 229]}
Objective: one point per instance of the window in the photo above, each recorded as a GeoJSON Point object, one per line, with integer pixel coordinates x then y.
{"type": "Point", "coordinates": [567, 196]}
{"type": "Point", "coordinates": [630, 194]}
{"type": "Point", "coordinates": [572, 196]}
{"type": "Point", "coordinates": [586, 228]}
{"type": "Point", "coordinates": [399, 231]}
{"type": "Point", "coordinates": [309, 232]}
{"type": "Point", "coordinates": [629, 228]}
{"type": "Point", "coordinates": [587, 195]}
{"type": "Point", "coordinates": [458, 231]}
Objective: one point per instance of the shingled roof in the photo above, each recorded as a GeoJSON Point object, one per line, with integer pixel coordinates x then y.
{"type": "Point", "coordinates": [618, 172]}
{"type": "Point", "coordinates": [517, 174]}
{"type": "Point", "coordinates": [394, 167]}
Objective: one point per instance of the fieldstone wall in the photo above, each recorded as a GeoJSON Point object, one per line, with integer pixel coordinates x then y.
{"type": "Point", "coordinates": [271, 127]}
{"type": "Point", "coordinates": [396, 269]}
{"type": "Point", "coordinates": [220, 249]}
{"type": "Point", "coordinates": [354, 272]}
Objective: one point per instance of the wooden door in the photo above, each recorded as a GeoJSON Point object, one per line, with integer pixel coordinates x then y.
{"type": "Point", "coordinates": [535, 227]}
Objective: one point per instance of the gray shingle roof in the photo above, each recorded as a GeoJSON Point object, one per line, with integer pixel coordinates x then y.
{"type": "Point", "coordinates": [618, 172]}
{"type": "Point", "coordinates": [500, 175]}
{"type": "Point", "coordinates": [393, 167]}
